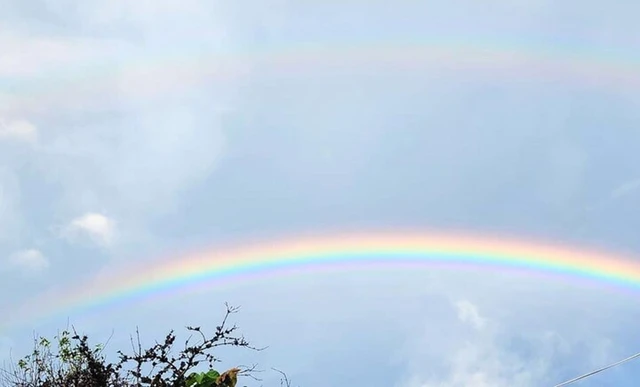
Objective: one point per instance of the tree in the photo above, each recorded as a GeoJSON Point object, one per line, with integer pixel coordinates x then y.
{"type": "Point", "coordinates": [74, 363]}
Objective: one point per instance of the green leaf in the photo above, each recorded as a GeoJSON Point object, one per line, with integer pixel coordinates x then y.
{"type": "Point", "coordinates": [191, 379]}
{"type": "Point", "coordinates": [203, 379]}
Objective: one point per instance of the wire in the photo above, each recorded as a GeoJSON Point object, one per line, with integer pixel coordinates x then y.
{"type": "Point", "coordinates": [597, 371]}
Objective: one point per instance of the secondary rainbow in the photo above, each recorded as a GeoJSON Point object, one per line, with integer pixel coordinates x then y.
{"type": "Point", "coordinates": [146, 74]}
{"type": "Point", "coordinates": [347, 251]}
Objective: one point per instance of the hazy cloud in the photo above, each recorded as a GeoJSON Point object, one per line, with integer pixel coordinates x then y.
{"type": "Point", "coordinates": [30, 260]}
{"type": "Point", "coordinates": [28, 56]}
{"type": "Point", "coordinates": [11, 217]}
{"type": "Point", "coordinates": [468, 313]}
{"type": "Point", "coordinates": [21, 130]}
{"type": "Point", "coordinates": [625, 188]}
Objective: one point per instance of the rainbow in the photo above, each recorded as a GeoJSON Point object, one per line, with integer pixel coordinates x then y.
{"type": "Point", "coordinates": [346, 251]}
{"type": "Point", "coordinates": [148, 74]}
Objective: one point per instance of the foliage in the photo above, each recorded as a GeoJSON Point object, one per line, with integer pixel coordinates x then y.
{"type": "Point", "coordinates": [74, 363]}
{"type": "Point", "coordinates": [203, 379]}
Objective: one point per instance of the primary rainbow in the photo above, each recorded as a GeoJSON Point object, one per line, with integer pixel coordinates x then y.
{"type": "Point", "coordinates": [339, 251]}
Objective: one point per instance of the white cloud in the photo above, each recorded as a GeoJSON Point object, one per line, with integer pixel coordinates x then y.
{"type": "Point", "coordinates": [32, 260]}
{"type": "Point", "coordinates": [525, 340]}
{"type": "Point", "coordinates": [28, 55]}
{"type": "Point", "coordinates": [481, 359]}
{"type": "Point", "coordinates": [625, 188]}
{"type": "Point", "coordinates": [475, 358]}
{"type": "Point", "coordinates": [151, 17]}
{"type": "Point", "coordinates": [485, 361]}
{"type": "Point", "coordinates": [468, 313]}
{"type": "Point", "coordinates": [21, 130]}
{"type": "Point", "coordinates": [98, 227]}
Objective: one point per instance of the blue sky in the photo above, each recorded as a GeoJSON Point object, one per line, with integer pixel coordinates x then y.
{"type": "Point", "coordinates": [129, 129]}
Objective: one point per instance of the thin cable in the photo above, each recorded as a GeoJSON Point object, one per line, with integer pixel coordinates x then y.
{"type": "Point", "coordinates": [597, 371]}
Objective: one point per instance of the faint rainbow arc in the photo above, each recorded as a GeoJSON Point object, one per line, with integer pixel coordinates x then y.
{"type": "Point", "coordinates": [189, 66]}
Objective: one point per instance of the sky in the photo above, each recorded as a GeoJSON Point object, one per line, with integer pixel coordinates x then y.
{"type": "Point", "coordinates": [134, 131]}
